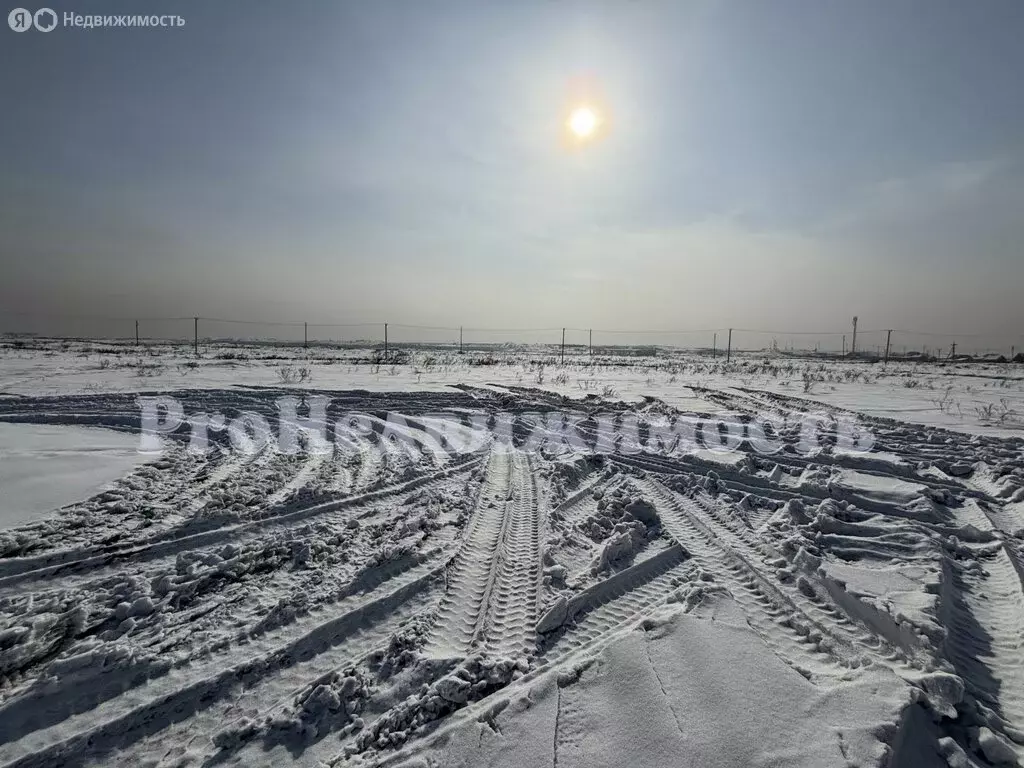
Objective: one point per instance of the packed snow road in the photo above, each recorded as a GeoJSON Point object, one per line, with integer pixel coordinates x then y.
{"type": "Point", "coordinates": [483, 577]}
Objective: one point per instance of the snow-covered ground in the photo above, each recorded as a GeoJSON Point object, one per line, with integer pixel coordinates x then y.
{"type": "Point", "coordinates": [514, 604]}
{"type": "Point", "coordinates": [978, 398]}
{"type": "Point", "coordinates": [43, 467]}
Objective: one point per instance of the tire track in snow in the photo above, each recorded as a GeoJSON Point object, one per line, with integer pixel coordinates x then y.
{"type": "Point", "coordinates": [812, 603]}
{"type": "Point", "coordinates": [299, 480]}
{"type": "Point", "coordinates": [471, 576]}
{"type": "Point", "coordinates": [815, 602]}
{"type": "Point", "coordinates": [912, 443]}
{"type": "Point", "coordinates": [577, 505]}
{"type": "Point", "coordinates": [198, 684]}
{"type": "Point", "coordinates": [986, 637]}
{"type": "Point", "coordinates": [344, 479]}
{"type": "Point", "coordinates": [612, 607]}
{"type": "Point", "coordinates": [785, 629]}
{"type": "Point", "coordinates": [167, 639]}
{"type": "Point", "coordinates": [764, 487]}
{"type": "Point", "coordinates": [170, 547]}
{"type": "Point", "coordinates": [570, 722]}
{"type": "Point", "coordinates": [616, 604]}
{"type": "Point", "coordinates": [275, 694]}
{"type": "Point", "coordinates": [511, 604]}
{"type": "Point", "coordinates": [369, 470]}
{"type": "Point", "coordinates": [483, 609]}
{"type": "Point", "coordinates": [189, 504]}
{"type": "Point", "coordinates": [984, 605]}
{"type": "Point", "coordinates": [213, 473]}
{"type": "Point", "coordinates": [491, 604]}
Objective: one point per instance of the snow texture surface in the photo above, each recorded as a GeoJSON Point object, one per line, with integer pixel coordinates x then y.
{"type": "Point", "coordinates": [497, 605]}
{"type": "Point", "coordinates": [42, 467]}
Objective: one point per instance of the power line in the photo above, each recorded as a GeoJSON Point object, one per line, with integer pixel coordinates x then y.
{"type": "Point", "coordinates": [944, 335]}
{"type": "Point", "coordinates": [514, 330]}
{"type": "Point", "coordinates": [478, 330]}
{"type": "Point", "coordinates": [653, 333]}
{"type": "Point", "coordinates": [423, 327]}
{"type": "Point", "coordinates": [344, 325]}
{"type": "Point", "coordinates": [790, 333]}
{"type": "Point", "coordinates": [104, 318]}
{"type": "Point", "coordinates": [247, 322]}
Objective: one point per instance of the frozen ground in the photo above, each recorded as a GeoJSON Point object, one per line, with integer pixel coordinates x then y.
{"type": "Point", "coordinates": [391, 605]}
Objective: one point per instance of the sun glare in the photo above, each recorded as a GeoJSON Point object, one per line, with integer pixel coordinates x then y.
{"type": "Point", "coordinates": [583, 122]}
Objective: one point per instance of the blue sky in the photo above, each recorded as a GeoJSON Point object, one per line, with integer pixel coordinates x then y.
{"type": "Point", "coordinates": [768, 165]}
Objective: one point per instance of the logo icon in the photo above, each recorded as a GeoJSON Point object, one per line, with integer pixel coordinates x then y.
{"type": "Point", "coordinates": [45, 20]}
{"type": "Point", "coordinates": [19, 20]}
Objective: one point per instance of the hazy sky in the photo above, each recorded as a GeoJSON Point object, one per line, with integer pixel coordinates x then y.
{"type": "Point", "coordinates": [782, 164]}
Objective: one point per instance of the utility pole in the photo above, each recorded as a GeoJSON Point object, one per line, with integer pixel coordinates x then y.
{"type": "Point", "coordinates": [305, 335]}
{"type": "Point", "coordinates": [952, 351]}
{"type": "Point", "coordinates": [385, 342]}
{"type": "Point", "coordinates": [728, 352]}
{"type": "Point", "coordinates": [195, 340]}
{"type": "Point", "coordinates": [460, 339]}
{"type": "Point", "coordinates": [563, 346]}
{"type": "Point", "coordinates": [853, 344]}
{"type": "Point", "coordinates": [844, 345]}
{"type": "Point", "coordinates": [714, 346]}
{"type": "Point", "coordinates": [591, 342]}
{"type": "Point", "coordinates": [888, 341]}
{"type": "Point", "coordinates": [136, 333]}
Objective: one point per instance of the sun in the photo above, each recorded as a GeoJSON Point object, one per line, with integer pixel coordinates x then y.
{"type": "Point", "coordinates": [583, 122]}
